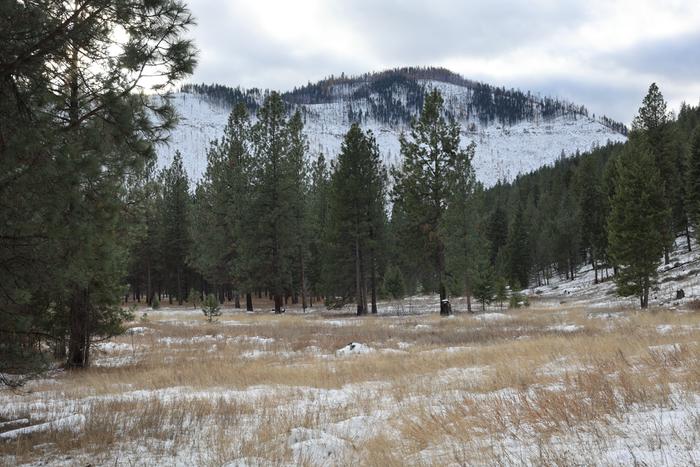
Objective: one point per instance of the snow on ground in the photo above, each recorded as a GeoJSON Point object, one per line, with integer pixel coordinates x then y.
{"type": "Point", "coordinates": [471, 366]}
{"type": "Point", "coordinates": [682, 273]}
{"type": "Point", "coordinates": [493, 316]}
{"type": "Point", "coordinates": [354, 348]}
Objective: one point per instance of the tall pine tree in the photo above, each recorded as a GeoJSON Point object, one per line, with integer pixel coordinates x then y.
{"type": "Point", "coordinates": [651, 125]}
{"type": "Point", "coordinates": [425, 180]}
{"type": "Point", "coordinates": [356, 219]}
{"type": "Point", "coordinates": [636, 227]}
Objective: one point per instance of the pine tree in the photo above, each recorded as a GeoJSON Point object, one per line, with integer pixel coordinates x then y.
{"type": "Point", "coordinates": [77, 138]}
{"type": "Point", "coordinates": [211, 308]}
{"type": "Point", "coordinates": [693, 183]}
{"type": "Point", "coordinates": [463, 240]}
{"type": "Point", "coordinates": [394, 284]}
{"type": "Point", "coordinates": [175, 238]}
{"type": "Point", "coordinates": [651, 125]}
{"type": "Point", "coordinates": [298, 192]}
{"type": "Point", "coordinates": [271, 244]}
{"type": "Point", "coordinates": [356, 219]}
{"type": "Point", "coordinates": [519, 251]}
{"type": "Point", "coordinates": [637, 222]}
{"type": "Point", "coordinates": [484, 285]}
{"type": "Point", "coordinates": [497, 232]}
{"type": "Point", "coordinates": [193, 297]}
{"type": "Point", "coordinates": [592, 212]}
{"type": "Point", "coordinates": [424, 181]}
{"type": "Point", "coordinates": [501, 291]}
{"type": "Point", "coordinates": [317, 220]}
{"type": "Point", "coordinates": [220, 199]}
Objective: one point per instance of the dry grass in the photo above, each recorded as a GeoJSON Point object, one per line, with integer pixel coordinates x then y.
{"type": "Point", "coordinates": [538, 386]}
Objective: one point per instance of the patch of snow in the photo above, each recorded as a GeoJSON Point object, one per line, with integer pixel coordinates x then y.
{"type": "Point", "coordinates": [354, 348]}
{"type": "Point", "coordinates": [73, 422]}
{"type": "Point", "coordinates": [492, 316]}
{"type": "Point", "coordinates": [340, 322]}
{"type": "Point", "coordinates": [565, 327]}
{"type": "Point", "coordinates": [113, 347]}
{"type": "Point", "coordinates": [315, 447]}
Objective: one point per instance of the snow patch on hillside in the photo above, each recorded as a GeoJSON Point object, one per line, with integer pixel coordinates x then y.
{"type": "Point", "coordinates": [502, 151]}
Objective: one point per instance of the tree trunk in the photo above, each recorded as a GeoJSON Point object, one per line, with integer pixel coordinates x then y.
{"type": "Point", "coordinates": [279, 299]}
{"type": "Point", "coordinates": [361, 309]}
{"type": "Point", "coordinates": [79, 340]}
{"type": "Point", "coordinates": [303, 281]}
{"type": "Point", "coordinates": [249, 301]}
{"type": "Point", "coordinates": [59, 348]}
{"type": "Point", "coordinates": [237, 300]}
{"type": "Point", "coordinates": [687, 236]}
{"type": "Point", "coordinates": [179, 285]}
{"type": "Point", "coordinates": [468, 293]}
{"type": "Point", "coordinates": [445, 308]}
{"type": "Point", "coordinates": [373, 279]}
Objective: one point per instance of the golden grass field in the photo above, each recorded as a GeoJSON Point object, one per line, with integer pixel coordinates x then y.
{"type": "Point", "coordinates": [547, 385]}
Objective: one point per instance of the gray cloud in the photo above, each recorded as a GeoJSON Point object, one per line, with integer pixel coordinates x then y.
{"type": "Point", "coordinates": [533, 45]}
{"type": "Point", "coordinates": [427, 31]}
{"type": "Point", "coordinates": [677, 57]}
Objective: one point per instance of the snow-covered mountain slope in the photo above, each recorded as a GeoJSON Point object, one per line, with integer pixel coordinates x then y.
{"type": "Point", "coordinates": [503, 150]}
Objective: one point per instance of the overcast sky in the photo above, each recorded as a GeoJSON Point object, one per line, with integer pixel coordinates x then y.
{"type": "Point", "coordinates": [599, 53]}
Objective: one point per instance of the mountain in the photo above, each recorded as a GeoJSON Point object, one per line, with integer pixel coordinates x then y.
{"type": "Point", "coordinates": [515, 131]}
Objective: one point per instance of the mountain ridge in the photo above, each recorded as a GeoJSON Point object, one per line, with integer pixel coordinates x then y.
{"type": "Point", "coordinates": [515, 131]}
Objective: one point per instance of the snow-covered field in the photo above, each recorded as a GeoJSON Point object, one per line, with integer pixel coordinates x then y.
{"type": "Point", "coordinates": [547, 385]}
{"type": "Point", "coordinates": [502, 151]}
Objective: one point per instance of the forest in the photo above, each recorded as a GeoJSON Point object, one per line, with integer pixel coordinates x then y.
{"type": "Point", "coordinates": [304, 230]}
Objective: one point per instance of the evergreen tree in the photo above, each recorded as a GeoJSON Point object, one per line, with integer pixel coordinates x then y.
{"type": "Point", "coordinates": [394, 284]}
{"type": "Point", "coordinates": [518, 251]}
{"type": "Point", "coordinates": [175, 238]}
{"type": "Point", "coordinates": [651, 125]}
{"type": "Point", "coordinates": [211, 308]}
{"type": "Point", "coordinates": [461, 220]}
{"type": "Point", "coordinates": [424, 181]}
{"type": "Point", "coordinates": [271, 244]}
{"type": "Point", "coordinates": [592, 212]}
{"type": "Point", "coordinates": [356, 219]}
{"type": "Point", "coordinates": [220, 200]}
{"type": "Point", "coordinates": [484, 285]}
{"type": "Point", "coordinates": [317, 220]}
{"type": "Point", "coordinates": [497, 232]}
{"type": "Point", "coordinates": [637, 222]}
{"type": "Point", "coordinates": [693, 183]}
{"type": "Point", "coordinates": [566, 241]}
{"type": "Point", "coordinates": [193, 297]}
{"type": "Point", "coordinates": [297, 193]}
{"type": "Point", "coordinates": [77, 138]}
{"type": "Point", "coordinates": [501, 291]}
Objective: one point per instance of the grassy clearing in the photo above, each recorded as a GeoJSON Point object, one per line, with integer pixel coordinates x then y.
{"type": "Point", "coordinates": [539, 386]}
